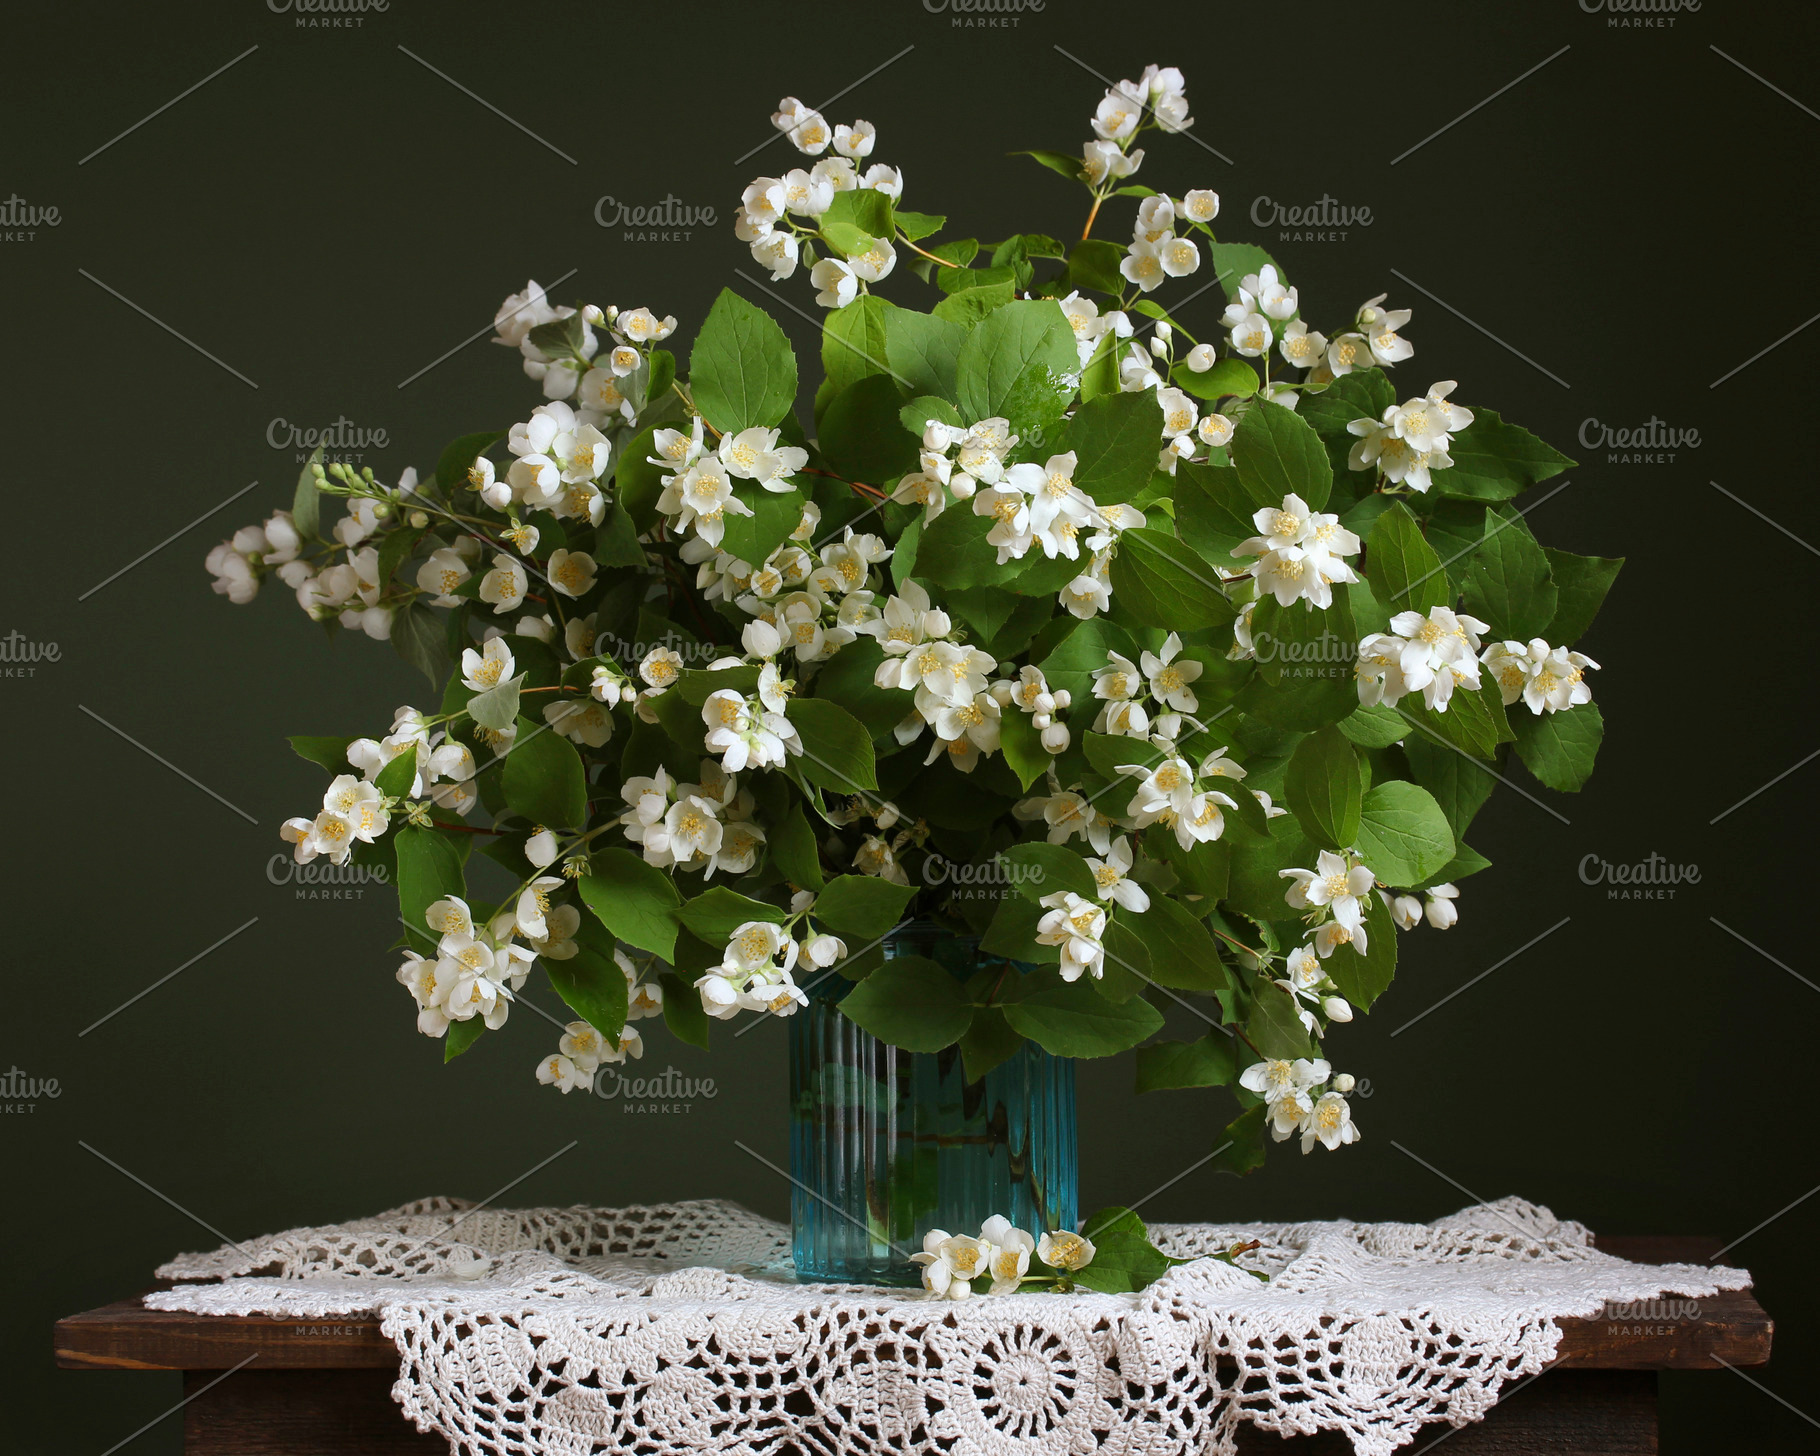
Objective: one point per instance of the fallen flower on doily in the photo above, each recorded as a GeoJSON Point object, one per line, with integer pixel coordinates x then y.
{"type": "Point", "coordinates": [1000, 1259]}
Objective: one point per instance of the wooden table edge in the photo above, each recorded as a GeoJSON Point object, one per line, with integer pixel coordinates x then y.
{"type": "Point", "coordinates": [1729, 1328]}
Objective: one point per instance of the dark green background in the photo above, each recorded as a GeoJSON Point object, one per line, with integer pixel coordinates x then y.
{"type": "Point", "coordinates": [328, 217]}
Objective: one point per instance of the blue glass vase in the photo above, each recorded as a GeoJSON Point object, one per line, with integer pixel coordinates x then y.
{"type": "Point", "coordinates": [886, 1144]}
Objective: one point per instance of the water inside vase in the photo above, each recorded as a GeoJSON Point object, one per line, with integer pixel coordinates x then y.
{"type": "Point", "coordinates": [887, 1144]}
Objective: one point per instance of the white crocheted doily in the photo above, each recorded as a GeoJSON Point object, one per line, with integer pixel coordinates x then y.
{"type": "Point", "coordinates": [576, 1331]}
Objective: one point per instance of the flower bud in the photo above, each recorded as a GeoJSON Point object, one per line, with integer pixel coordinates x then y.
{"type": "Point", "coordinates": [1062, 699]}
{"type": "Point", "coordinates": [1056, 738]}
{"type": "Point", "coordinates": [419, 519]}
{"type": "Point", "coordinates": [1200, 358]}
{"type": "Point", "coordinates": [1343, 1083]}
{"type": "Point", "coordinates": [1338, 1008]}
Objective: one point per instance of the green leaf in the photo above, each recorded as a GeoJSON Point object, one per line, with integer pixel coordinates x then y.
{"type": "Point", "coordinates": [1403, 835]}
{"type": "Point", "coordinates": [1460, 783]}
{"type": "Point", "coordinates": [953, 551]}
{"type": "Point", "coordinates": [715, 914]}
{"type": "Point", "coordinates": [861, 434]}
{"type": "Point", "coordinates": [1094, 263]}
{"type": "Point", "coordinates": [1012, 933]}
{"type": "Point", "coordinates": [1123, 1263]}
{"type": "Point", "coordinates": [973, 304]}
{"type": "Point", "coordinates": [1508, 583]}
{"type": "Point", "coordinates": [1560, 748]}
{"type": "Point", "coordinates": [1213, 510]}
{"type": "Point", "coordinates": [1364, 978]}
{"type": "Point", "coordinates": [856, 219]}
{"type": "Point", "coordinates": [988, 1041]}
{"type": "Point", "coordinates": [683, 1012]}
{"type": "Point", "coordinates": [916, 415]}
{"type": "Point", "coordinates": [637, 482]}
{"type": "Point", "coordinates": [616, 542]}
{"type": "Point", "coordinates": [398, 777]}
{"type": "Point", "coordinates": [910, 1002]}
{"type": "Point", "coordinates": [545, 782]}
{"type": "Point", "coordinates": [638, 902]}
{"type": "Point", "coordinates": [837, 749]}
{"type": "Point", "coordinates": [1071, 1019]}
{"type": "Point", "coordinates": [1037, 869]}
{"type": "Point", "coordinates": [1100, 375]}
{"type": "Point", "coordinates": [1114, 439]}
{"type": "Point", "coordinates": [862, 906]}
{"type": "Point", "coordinates": [793, 849]}
{"type": "Point", "coordinates": [429, 868]}
{"type": "Point", "coordinates": [1255, 886]}
{"type": "Point", "coordinates": [923, 351]}
{"type": "Point", "coordinates": [418, 636]}
{"type": "Point", "coordinates": [1240, 1149]}
{"type": "Point", "coordinates": [1494, 461]}
{"type": "Point", "coordinates": [1581, 583]}
{"type": "Point", "coordinates": [775, 514]}
{"type": "Point", "coordinates": [1326, 788]}
{"type": "Point", "coordinates": [329, 753]}
{"type": "Point", "coordinates": [1375, 727]}
{"type": "Point", "coordinates": [1161, 582]}
{"type": "Point", "coordinates": [306, 501]}
{"type": "Point", "coordinates": [741, 370]}
{"type": "Point", "coordinates": [461, 1035]}
{"type": "Point", "coordinates": [1182, 953]}
{"type": "Point", "coordinates": [1022, 744]}
{"type": "Point", "coordinates": [1228, 377]}
{"type": "Point", "coordinates": [918, 225]}
{"type": "Point", "coordinates": [1474, 721]}
{"type": "Point", "coordinates": [497, 707]}
{"type": "Point", "coordinates": [1305, 665]}
{"type": "Point", "coordinates": [1275, 1025]}
{"type": "Point", "coordinates": [1207, 1062]}
{"type": "Point", "coordinates": [1060, 162]}
{"type": "Point", "coordinates": [853, 342]}
{"type": "Point", "coordinates": [1013, 365]}
{"type": "Point", "coordinates": [846, 678]}
{"type": "Point", "coordinates": [1362, 394]}
{"type": "Point", "coordinates": [1404, 571]}
{"type": "Point", "coordinates": [1277, 453]}
{"type": "Point", "coordinates": [593, 987]}
{"type": "Point", "coordinates": [1072, 662]}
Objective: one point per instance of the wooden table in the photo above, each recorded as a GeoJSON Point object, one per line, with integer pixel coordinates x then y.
{"type": "Point", "coordinates": [325, 1385]}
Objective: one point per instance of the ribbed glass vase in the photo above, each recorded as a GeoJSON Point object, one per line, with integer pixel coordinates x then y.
{"type": "Point", "coordinates": [886, 1144]}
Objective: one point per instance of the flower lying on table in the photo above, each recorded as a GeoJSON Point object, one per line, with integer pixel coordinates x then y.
{"type": "Point", "coordinates": [1113, 1256]}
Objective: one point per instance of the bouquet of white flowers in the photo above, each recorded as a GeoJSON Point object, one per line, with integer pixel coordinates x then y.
{"type": "Point", "coordinates": [1173, 669]}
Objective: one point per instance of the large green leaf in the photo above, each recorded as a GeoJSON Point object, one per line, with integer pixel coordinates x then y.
{"type": "Point", "coordinates": [862, 905]}
{"type": "Point", "coordinates": [544, 781]}
{"type": "Point", "coordinates": [1071, 1019]}
{"type": "Point", "coordinates": [1013, 364]}
{"type": "Point", "coordinates": [1403, 835]}
{"type": "Point", "coordinates": [1404, 571]}
{"type": "Point", "coordinates": [1277, 453]}
{"type": "Point", "coordinates": [1161, 582]}
{"type": "Point", "coordinates": [1275, 1025]}
{"type": "Point", "coordinates": [1037, 869]}
{"type": "Point", "coordinates": [923, 351]}
{"type": "Point", "coordinates": [741, 370]}
{"type": "Point", "coordinates": [1213, 510]}
{"type": "Point", "coordinates": [953, 553]}
{"type": "Point", "coordinates": [854, 342]}
{"type": "Point", "coordinates": [1560, 748]}
{"type": "Point", "coordinates": [1493, 460]}
{"type": "Point", "coordinates": [861, 435]}
{"type": "Point", "coordinates": [1209, 1061]}
{"type": "Point", "coordinates": [837, 749]}
{"type": "Point", "coordinates": [1460, 784]}
{"type": "Point", "coordinates": [638, 902]}
{"type": "Point", "coordinates": [1305, 664]}
{"type": "Point", "coordinates": [716, 913]}
{"type": "Point", "coordinates": [1581, 583]}
{"type": "Point", "coordinates": [791, 844]}
{"type": "Point", "coordinates": [1509, 584]}
{"type": "Point", "coordinates": [1364, 978]}
{"type": "Point", "coordinates": [593, 987]}
{"type": "Point", "coordinates": [1182, 953]}
{"type": "Point", "coordinates": [429, 868]}
{"type": "Point", "coordinates": [1115, 441]}
{"type": "Point", "coordinates": [1326, 788]}
{"type": "Point", "coordinates": [910, 1002]}
{"type": "Point", "coordinates": [775, 514]}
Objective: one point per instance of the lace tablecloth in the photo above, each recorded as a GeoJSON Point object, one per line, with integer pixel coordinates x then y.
{"type": "Point", "coordinates": [669, 1329]}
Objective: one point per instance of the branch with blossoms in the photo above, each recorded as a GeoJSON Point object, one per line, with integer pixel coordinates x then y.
{"type": "Point", "coordinates": [1171, 666]}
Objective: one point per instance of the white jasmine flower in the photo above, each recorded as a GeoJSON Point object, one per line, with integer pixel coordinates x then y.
{"type": "Point", "coordinates": [660, 667]}
{"type": "Point", "coordinates": [1110, 874]}
{"type": "Point", "coordinates": [1065, 1250]}
{"type": "Point", "coordinates": [1200, 205]}
{"type": "Point", "coordinates": [1440, 911]}
{"type": "Point", "coordinates": [1335, 884]}
{"type": "Point", "coordinates": [837, 283]}
{"type": "Point", "coordinates": [1169, 680]}
{"type": "Point", "coordinates": [504, 586]}
{"type": "Point", "coordinates": [1011, 1250]}
{"type": "Point", "coordinates": [1301, 346]}
{"type": "Point", "coordinates": [1547, 679]}
{"type": "Point", "coordinates": [562, 1073]}
{"type": "Point", "coordinates": [1075, 925]}
{"type": "Point", "coordinates": [487, 668]}
{"type": "Point", "coordinates": [1102, 160]}
{"type": "Point", "coordinates": [1330, 1124]}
